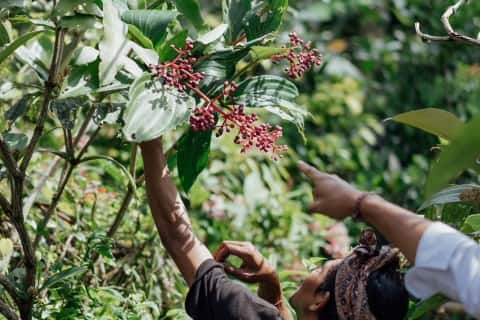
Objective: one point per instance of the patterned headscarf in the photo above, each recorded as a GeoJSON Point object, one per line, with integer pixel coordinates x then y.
{"type": "Point", "coordinates": [352, 276]}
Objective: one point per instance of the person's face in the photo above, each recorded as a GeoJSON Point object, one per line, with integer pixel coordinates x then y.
{"type": "Point", "coordinates": [307, 300]}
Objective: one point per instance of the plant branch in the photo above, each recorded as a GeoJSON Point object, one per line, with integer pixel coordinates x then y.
{"type": "Point", "coordinates": [67, 135]}
{"type": "Point", "coordinates": [128, 195]}
{"type": "Point", "coordinates": [84, 126]}
{"type": "Point", "coordinates": [452, 35]}
{"type": "Point", "coordinates": [7, 312]}
{"type": "Point", "coordinates": [50, 85]}
{"type": "Point", "coordinates": [89, 142]}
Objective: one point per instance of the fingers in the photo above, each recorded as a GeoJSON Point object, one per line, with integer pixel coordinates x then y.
{"type": "Point", "coordinates": [243, 250]}
{"type": "Point", "coordinates": [315, 207]}
{"type": "Point", "coordinates": [309, 170]}
{"type": "Point", "coordinates": [238, 273]}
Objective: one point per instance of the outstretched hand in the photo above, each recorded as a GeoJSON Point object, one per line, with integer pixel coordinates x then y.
{"type": "Point", "coordinates": [254, 269]}
{"type": "Point", "coordinates": [332, 196]}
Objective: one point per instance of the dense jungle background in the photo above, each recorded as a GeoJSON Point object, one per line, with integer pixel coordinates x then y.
{"type": "Point", "coordinates": [98, 255]}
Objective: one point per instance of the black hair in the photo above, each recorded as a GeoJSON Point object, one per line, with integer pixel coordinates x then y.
{"type": "Point", "coordinates": [387, 296]}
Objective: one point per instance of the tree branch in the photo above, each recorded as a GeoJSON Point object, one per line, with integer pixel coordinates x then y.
{"type": "Point", "coordinates": [7, 312]}
{"type": "Point", "coordinates": [452, 35]}
{"type": "Point", "coordinates": [128, 195]}
{"type": "Point", "coordinates": [50, 85]}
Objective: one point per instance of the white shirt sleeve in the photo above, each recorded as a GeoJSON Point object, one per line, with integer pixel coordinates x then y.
{"type": "Point", "coordinates": [447, 262]}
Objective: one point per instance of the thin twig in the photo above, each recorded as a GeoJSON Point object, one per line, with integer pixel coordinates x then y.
{"type": "Point", "coordinates": [452, 35]}
{"type": "Point", "coordinates": [7, 312]}
{"type": "Point", "coordinates": [128, 195]}
{"type": "Point", "coordinates": [89, 142]}
{"type": "Point", "coordinates": [67, 136]}
{"type": "Point", "coordinates": [84, 125]}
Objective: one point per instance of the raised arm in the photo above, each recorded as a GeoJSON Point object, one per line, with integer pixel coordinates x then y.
{"type": "Point", "coordinates": [169, 213]}
{"type": "Point", "coordinates": [338, 199]}
{"type": "Point", "coordinates": [446, 261]}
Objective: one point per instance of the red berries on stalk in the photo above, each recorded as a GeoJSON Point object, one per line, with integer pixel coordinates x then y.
{"type": "Point", "coordinates": [301, 56]}
{"type": "Point", "coordinates": [180, 74]}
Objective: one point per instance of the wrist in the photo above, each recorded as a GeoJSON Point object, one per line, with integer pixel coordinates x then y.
{"type": "Point", "coordinates": [152, 144]}
{"type": "Point", "coordinates": [364, 205]}
{"type": "Point", "coordinates": [270, 290]}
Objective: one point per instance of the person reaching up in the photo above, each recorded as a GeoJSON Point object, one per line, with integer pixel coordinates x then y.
{"type": "Point", "coordinates": [366, 285]}
{"type": "Point", "coordinates": [445, 261]}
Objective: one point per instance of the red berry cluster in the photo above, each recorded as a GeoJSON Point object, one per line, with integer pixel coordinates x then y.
{"type": "Point", "coordinates": [180, 74]}
{"type": "Point", "coordinates": [301, 56]}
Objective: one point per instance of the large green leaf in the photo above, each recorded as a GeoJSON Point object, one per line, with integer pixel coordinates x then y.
{"type": "Point", "coordinates": [191, 10]}
{"type": "Point", "coordinates": [63, 275]}
{"type": "Point", "coordinates": [152, 109]}
{"type": "Point", "coordinates": [114, 45]}
{"type": "Point", "coordinates": [277, 95]}
{"type": "Point", "coordinates": [10, 48]}
{"type": "Point", "coordinates": [192, 157]}
{"type": "Point", "coordinates": [462, 153]}
{"type": "Point", "coordinates": [219, 67]}
{"type": "Point", "coordinates": [265, 17]}
{"type": "Point", "coordinates": [449, 195]}
{"type": "Point", "coordinates": [152, 23]}
{"type": "Point", "coordinates": [436, 121]}
{"type": "Point", "coordinates": [261, 89]}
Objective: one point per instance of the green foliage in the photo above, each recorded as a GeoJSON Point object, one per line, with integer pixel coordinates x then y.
{"type": "Point", "coordinates": [192, 157]}
{"type": "Point", "coordinates": [152, 23]}
{"type": "Point", "coordinates": [152, 109]}
{"type": "Point", "coordinates": [436, 121]}
{"type": "Point", "coordinates": [461, 153]}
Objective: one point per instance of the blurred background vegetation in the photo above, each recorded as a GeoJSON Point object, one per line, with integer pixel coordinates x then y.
{"type": "Point", "coordinates": [375, 67]}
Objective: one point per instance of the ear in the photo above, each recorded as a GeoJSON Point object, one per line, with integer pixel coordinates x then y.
{"type": "Point", "coordinates": [321, 300]}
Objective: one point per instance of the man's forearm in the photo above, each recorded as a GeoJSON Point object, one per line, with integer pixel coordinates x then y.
{"type": "Point", "coordinates": [170, 214]}
{"type": "Point", "coordinates": [400, 226]}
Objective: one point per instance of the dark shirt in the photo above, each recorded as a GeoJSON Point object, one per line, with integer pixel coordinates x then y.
{"type": "Point", "coordinates": [214, 296]}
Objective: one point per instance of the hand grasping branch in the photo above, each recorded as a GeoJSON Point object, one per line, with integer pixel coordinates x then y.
{"type": "Point", "coordinates": [452, 35]}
